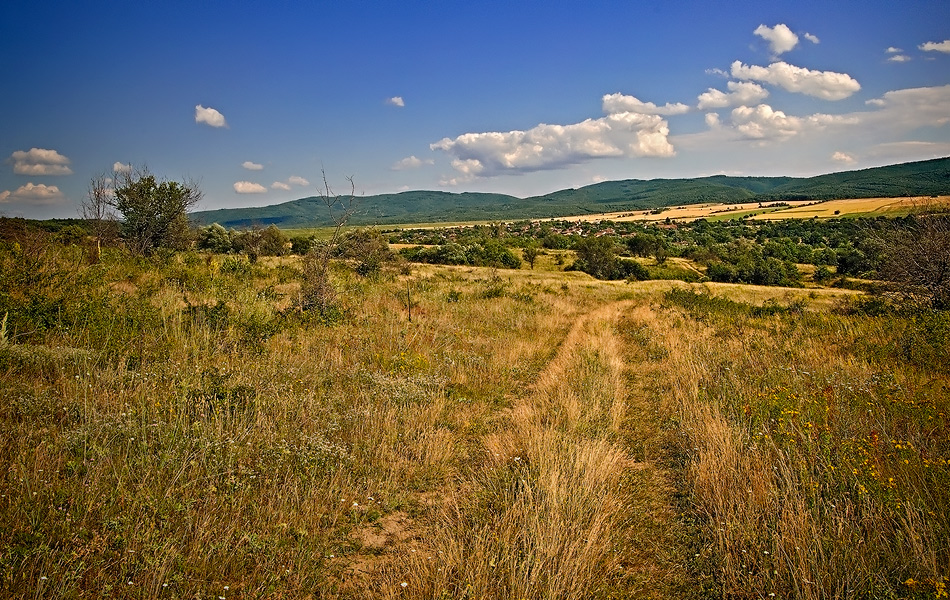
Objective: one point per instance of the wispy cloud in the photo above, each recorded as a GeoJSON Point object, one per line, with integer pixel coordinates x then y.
{"type": "Point", "coordinates": [252, 166]}
{"type": "Point", "coordinates": [209, 116]}
{"type": "Point", "coordinates": [39, 161]}
{"type": "Point", "coordinates": [410, 162]}
{"type": "Point", "coordinates": [619, 103]}
{"type": "Point", "coordinates": [844, 158]}
{"type": "Point", "coordinates": [287, 184]}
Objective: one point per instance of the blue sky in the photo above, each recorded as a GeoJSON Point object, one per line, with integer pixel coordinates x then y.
{"type": "Point", "coordinates": [254, 99]}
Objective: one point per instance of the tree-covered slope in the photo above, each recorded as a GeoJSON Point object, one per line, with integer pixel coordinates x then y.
{"type": "Point", "coordinates": [923, 178]}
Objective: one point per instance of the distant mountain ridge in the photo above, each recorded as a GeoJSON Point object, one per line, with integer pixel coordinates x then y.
{"type": "Point", "coordinates": [922, 178]}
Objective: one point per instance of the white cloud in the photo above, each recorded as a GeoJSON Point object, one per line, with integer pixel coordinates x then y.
{"type": "Point", "coordinates": [843, 157]}
{"type": "Point", "coordinates": [943, 46]}
{"type": "Point", "coordinates": [33, 193]}
{"type": "Point", "coordinates": [762, 122]}
{"type": "Point", "coordinates": [811, 38]}
{"type": "Point", "coordinates": [740, 93]}
{"type": "Point", "coordinates": [910, 108]}
{"type": "Point", "coordinates": [291, 181]}
{"type": "Point", "coordinates": [396, 101]}
{"type": "Point", "coordinates": [826, 85]}
{"type": "Point", "coordinates": [899, 58]}
{"type": "Point", "coordinates": [209, 116]}
{"type": "Point", "coordinates": [893, 50]}
{"type": "Point", "coordinates": [713, 121]}
{"type": "Point", "coordinates": [119, 167]}
{"type": "Point", "coordinates": [619, 103]}
{"type": "Point", "coordinates": [410, 162]}
{"type": "Point", "coordinates": [781, 39]}
{"type": "Point", "coordinates": [248, 187]}
{"type": "Point", "coordinates": [39, 161]}
{"type": "Point", "coordinates": [907, 151]}
{"type": "Point", "coordinates": [252, 166]}
{"type": "Point", "coordinates": [546, 147]}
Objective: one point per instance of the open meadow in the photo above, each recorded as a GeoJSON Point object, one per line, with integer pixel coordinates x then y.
{"type": "Point", "coordinates": [176, 427]}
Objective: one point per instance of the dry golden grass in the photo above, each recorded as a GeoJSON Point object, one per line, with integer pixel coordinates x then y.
{"type": "Point", "coordinates": [529, 434]}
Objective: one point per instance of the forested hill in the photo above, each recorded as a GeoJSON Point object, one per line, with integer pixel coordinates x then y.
{"type": "Point", "coordinates": [924, 178]}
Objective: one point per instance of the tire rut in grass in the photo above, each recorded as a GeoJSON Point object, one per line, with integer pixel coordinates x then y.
{"type": "Point", "coordinates": [565, 503]}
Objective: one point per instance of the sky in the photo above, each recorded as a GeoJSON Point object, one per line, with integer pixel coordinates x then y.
{"type": "Point", "coordinates": [256, 101]}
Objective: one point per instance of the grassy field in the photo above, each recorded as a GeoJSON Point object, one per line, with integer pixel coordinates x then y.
{"type": "Point", "coordinates": [176, 428]}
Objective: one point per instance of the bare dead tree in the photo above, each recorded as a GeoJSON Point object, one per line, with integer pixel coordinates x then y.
{"type": "Point", "coordinates": [96, 209]}
{"type": "Point", "coordinates": [915, 258]}
{"type": "Point", "coordinates": [317, 291]}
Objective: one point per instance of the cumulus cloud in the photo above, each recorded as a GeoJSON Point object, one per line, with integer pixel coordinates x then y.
{"type": "Point", "coordinates": [410, 162]}
{"type": "Point", "coordinates": [543, 147]}
{"type": "Point", "coordinates": [249, 187]}
{"type": "Point", "coordinates": [713, 121]}
{"type": "Point", "coordinates": [762, 122]}
{"type": "Point", "coordinates": [893, 50]}
{"type": "Point", "coordinates": [33, 193]}
{"type": "Point", "coordinates": [781, 39]}
{"type": "Point", "coordinates": [209, 116]}
{"type": "Point", "coordinates": [826, 85]}
{"type": "Point", "coordinates": [898, 58]}
{"type": "Point", "coordinates": [120, 167]}
{"type": "Point", "coordinates": [811, 38]}
{"type": "Point", "coordinates": [280, 185]}
{"type": "Point", "coordinates": [396, 101]}
{"type": "Point", "coordinates": [39, 161]}
{"type": "Point", "coordinates": [740, 93]}
{"type": "Point", "coordinates": [943, 46]}
{"type": "Point", "coordinates": [252, 166]}
{"type": "Point", "coordinates": [843, 157]}
{"type": "Point", "coordinates": [620, 103]}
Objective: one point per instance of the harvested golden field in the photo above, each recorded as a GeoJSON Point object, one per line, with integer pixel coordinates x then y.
{"type": "Point", "coordinates": [889, 207]}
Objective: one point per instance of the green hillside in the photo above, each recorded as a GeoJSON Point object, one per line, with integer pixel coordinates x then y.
{"type": "Point", "coordinates": [923, 178]}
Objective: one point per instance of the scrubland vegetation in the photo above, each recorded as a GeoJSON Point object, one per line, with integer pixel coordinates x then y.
{"type": "Point", "coordinates": [192, 424]}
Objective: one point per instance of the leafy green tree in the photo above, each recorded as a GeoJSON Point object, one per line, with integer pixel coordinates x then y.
{"type": "Point", "coordinates": [154, 214]}
{"type": "Point", "coordinates": [368, 248]}
{"type": "Point", "coordinates": [214, 238]}
{"type": "Point", "coordinates": [531, 254]}
{"type": "Point", "coordinates": [597, 256]}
